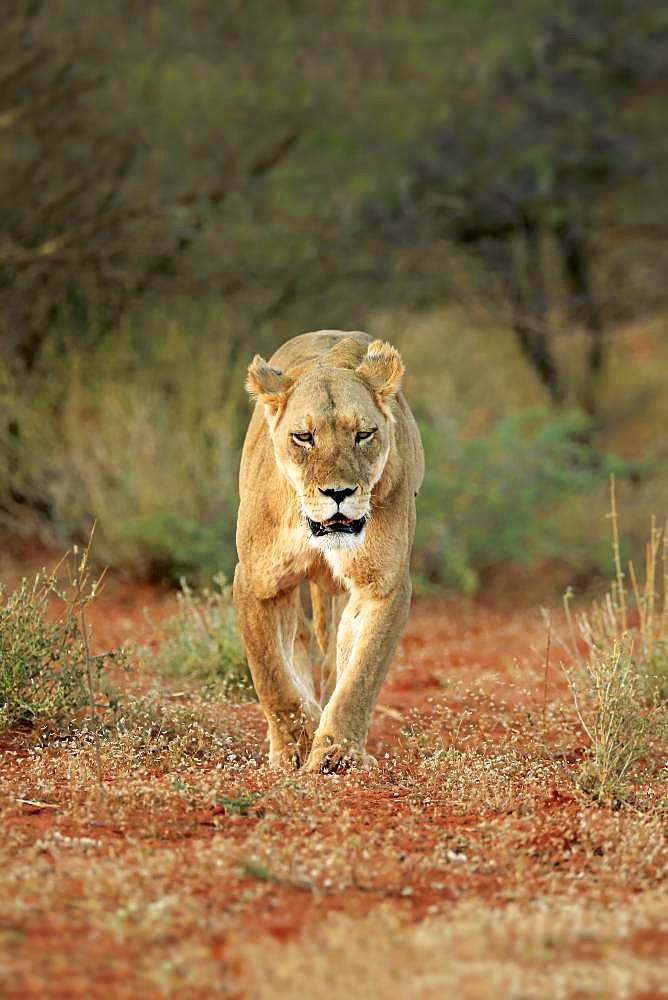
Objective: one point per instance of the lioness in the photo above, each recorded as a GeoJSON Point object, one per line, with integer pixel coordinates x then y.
{"type": "Point", "coordinates": [330, 469]}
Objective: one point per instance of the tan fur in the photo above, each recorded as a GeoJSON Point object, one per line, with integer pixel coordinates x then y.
{"type": "Point", "coordinates": [331, 385]}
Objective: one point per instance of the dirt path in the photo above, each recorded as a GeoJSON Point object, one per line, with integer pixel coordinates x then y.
{"type": "Point", "coordinates": [465, 865]}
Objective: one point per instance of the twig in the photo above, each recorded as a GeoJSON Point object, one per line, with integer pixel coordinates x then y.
{"type": "Point", "coordinates": [548, 644]}
{"type": "Point", "coordinates": [619, 572]}
{"type": "Point", "coordinates": [91, 692]}
{"type": "Point", "coordinates": [664, 607]}
{"type": "Point", "coordinates": [79, 601]}
{"type": "Point", "coordinates": [568, 597]}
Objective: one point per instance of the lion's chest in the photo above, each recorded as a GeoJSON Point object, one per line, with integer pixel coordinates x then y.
{"type": "Point", "coordinates": [338, 564]}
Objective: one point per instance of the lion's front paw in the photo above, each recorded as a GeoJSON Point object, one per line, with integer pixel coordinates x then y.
{"type": "Point", "coordinates": [289, 747]}
{"type": "Point", "coordinates": [288, 753]}
{"type": "Point", "coordinates": [288, 757]}
{"type": "Point", "coordinates": [291, 737]}
{"type": "Point", "coordinates": [332, 758]}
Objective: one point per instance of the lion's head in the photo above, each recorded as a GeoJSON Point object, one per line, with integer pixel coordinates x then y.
{"type": "Point", "coordinates": [331, 428]}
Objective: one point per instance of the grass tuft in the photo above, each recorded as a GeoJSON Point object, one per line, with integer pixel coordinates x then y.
{"type": "Point", "coordinates": [201, 641]}
{"type": "Point", "coordinates": [620, 682]}
{"type": "Point", "coordinates": [612, 709]}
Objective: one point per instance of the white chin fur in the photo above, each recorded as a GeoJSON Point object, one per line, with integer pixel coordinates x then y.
{"type": "Point", "coordinates": [339, 541]}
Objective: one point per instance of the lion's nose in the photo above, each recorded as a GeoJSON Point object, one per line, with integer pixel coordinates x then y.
{"type": "Point", "coordinates": [338, 496]}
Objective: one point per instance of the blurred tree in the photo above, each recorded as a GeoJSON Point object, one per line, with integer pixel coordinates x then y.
{"type": "Point", "coordinates": [80, 237]}
{"type": "Point", "coordinates": [146, 149]}
{"type": "Point", "coordinates": [520, 170]}
{"type": "Point", "coordinates": [64, 218]}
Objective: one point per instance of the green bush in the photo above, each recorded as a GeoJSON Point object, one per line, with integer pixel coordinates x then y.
{"type": "Point", "coordinates": [44, 660]}
{"type": "Point", "coordinates": [488, 498]}
{"type": "Point", "coordinates": [202, 641]}
{"type": "Point", "coordinates": [177, 548]}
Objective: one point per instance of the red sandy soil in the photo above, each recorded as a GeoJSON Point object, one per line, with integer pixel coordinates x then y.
{"type": "Point", "coordinates": [467, 676]}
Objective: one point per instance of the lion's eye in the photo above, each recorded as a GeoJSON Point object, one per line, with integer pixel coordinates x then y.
{"type": "Point", "coordinates": [306, 438]}
{"type": "Point", "coordinates": [364, 435]}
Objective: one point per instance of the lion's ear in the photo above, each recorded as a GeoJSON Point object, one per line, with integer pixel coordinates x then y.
{"type": "Point", "coordinates": [266, 384]}
{"type": "Point", "coordinates": [382, 369]}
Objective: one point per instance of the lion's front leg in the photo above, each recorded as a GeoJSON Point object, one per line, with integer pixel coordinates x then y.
{"type": "Point", "coordinates": [368, 636]}
{"type": "Point", "coordinates": [270, 630]}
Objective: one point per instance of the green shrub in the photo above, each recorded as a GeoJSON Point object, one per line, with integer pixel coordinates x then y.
{"type": "Point", "coordinates": [202, 641]}
{"type": "Point", "coordinates": [46, 671]}
{"type": "Point", "coordinates": [488, 498]}
{"type": "Point", "coordinates": [177, 548]}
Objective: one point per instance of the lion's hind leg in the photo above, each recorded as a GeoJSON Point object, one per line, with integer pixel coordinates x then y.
{"type": "Point", "coordinates": [328, 669]}
{"type": "Point", "coordinates": [304, 648]}
{"type": "Point", "coordinates": [327, 611]}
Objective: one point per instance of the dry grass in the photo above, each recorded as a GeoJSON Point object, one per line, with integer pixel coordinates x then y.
{"type": "Point", "coordinates": [547, 950]}
{"type": "Point", "coordinates": [622, 728]}
{"type": "Point", "coordinates": [179, 875]}
{"type": "Point", "coordinates": [619, 681]}
{"type": "Point", "coordinates": [464, 865]}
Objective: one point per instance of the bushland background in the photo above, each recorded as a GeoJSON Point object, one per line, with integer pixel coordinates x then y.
{"type": "Point", "coordinates": [185, 184]}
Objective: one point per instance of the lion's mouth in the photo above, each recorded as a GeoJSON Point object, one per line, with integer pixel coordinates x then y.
{"type": "Point", "coordinates": [336, 525]}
